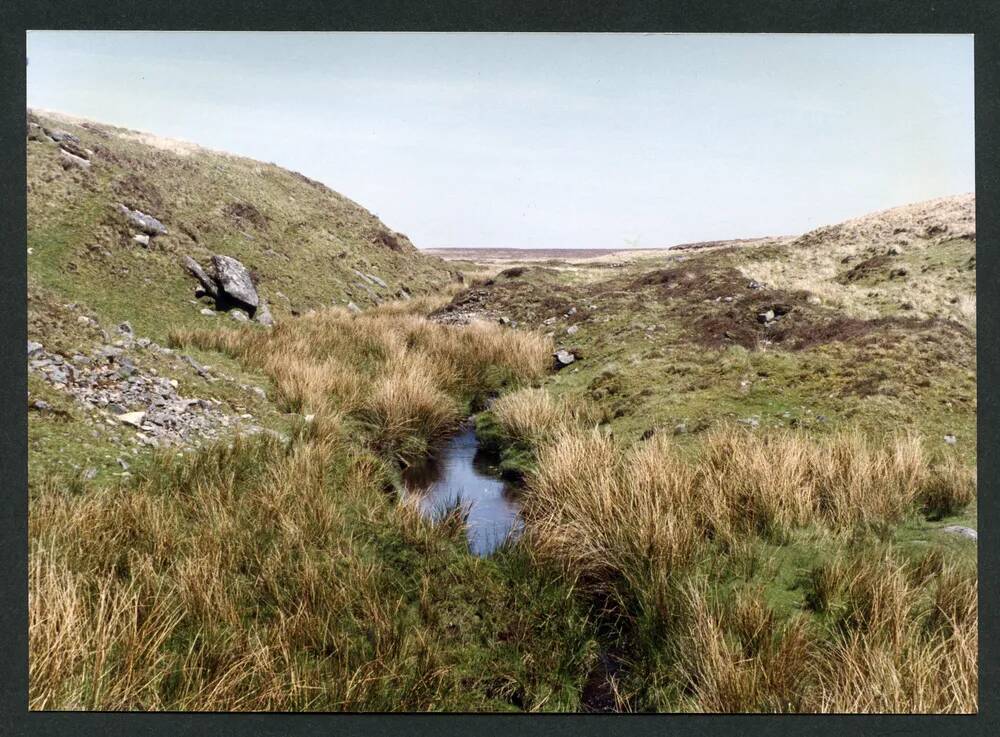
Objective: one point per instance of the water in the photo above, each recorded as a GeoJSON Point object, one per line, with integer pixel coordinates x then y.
{"type": "Point", "coordinates": [460, 476]}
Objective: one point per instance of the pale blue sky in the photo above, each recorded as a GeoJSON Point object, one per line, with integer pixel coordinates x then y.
{"type": "Point", "coordinates": [551, 140]}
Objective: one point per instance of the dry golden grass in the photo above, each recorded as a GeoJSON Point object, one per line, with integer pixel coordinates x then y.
{"type": "Point", "coordinates": [588, 500]}
{"type": "Point", "coordinates": [246, 557]}
{"type": "Point", "coordinates": [535, 416]}
{"type": "Point", "coordinates": [403, 375]}
{"type": "Point", "coordinates": [893, 648]}
{"type": "Point", "coordinates": [635, 525]}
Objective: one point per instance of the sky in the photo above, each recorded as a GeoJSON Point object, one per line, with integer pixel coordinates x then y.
{"type": "Point", "coordinates": [551, 140]}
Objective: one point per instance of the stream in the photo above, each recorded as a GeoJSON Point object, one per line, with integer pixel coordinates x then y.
{"type": "Point", "coordinates": [460, 475]}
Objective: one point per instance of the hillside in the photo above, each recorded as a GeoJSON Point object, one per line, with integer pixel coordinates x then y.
{"type": "Point", "coordinates": [279, 224]}
{"type": "Point", "coordinates": [871, 322]}
{"type": "Point", "coordinates": [113, 215]}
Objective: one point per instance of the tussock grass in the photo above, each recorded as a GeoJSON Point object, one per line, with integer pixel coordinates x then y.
{"type": "Point", "coordinates": [635, 527]}
{"type": "Point", "coordinates": [281, 576]}
{"type": "Point", "coordinates": [535, 416]}
{"type": "Point", "coordinates": [402, 376]}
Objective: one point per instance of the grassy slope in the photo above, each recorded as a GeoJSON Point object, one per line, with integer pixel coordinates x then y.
{"type": "Point", "coordinates": [278, 223]}
{"type": "Point", "coordinates": [302, 240]}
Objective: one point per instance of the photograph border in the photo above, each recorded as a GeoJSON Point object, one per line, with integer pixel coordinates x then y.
{"type": "Point", "coordinates": [981, 18]}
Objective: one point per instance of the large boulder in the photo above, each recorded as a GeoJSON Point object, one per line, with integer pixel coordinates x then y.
{"type": "Point", "coordinates": [234, 281]}
{"type": "Point", "coordinates": [195, 270]}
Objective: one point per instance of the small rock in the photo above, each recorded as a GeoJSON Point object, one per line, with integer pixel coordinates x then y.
{"type": "Point", "coordinates": [83, 320]}
{"type": "Point", "coordinates": [142, 239]}
{"type": "Point", "coordinates": [966, 532]}
{"type": "Point", "coordinates": [680, 429]}
{"type": "Point", "coordinates": [146, 223]}
{"type": "Point", "coordinates": [814, 300]}
{"type": "Point", "coordinates": [504, 320]}
{"type": "Point", "coordinates": [34, 348]}
{"type": "Point", "coordinates": [89, 474]}
{"type": "Point", "coordinates": [263, 314]}
{"type": "Point", "coordinates": [126, 328]}
{"type": "Point", "coordinates": [950, 439]}
{"type": "Point", "coordinates": [765, 317]}
{"type": "Point", "coordinates": [353, 307]}
{"type": "Point", "coordinates": [207, 311]}
{"type": "Point", "coordinates": [572, 329]}
{"type": "Point", "coordinates": [122, 462]}
{"type": "Point", "coordinates": [310, 417]}
{"type": "Point", "coordinates": [132, 418]}
{"type": "Point", "coordinates": [239, 316]}
{"type": "Point", "coordinates": [70, 161]}
{"type": "Point", "coordinates": [41, 405]}
{"type": "Point", "coordinates": [563, 358]}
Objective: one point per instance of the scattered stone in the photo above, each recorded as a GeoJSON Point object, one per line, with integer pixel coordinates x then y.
{"type": "Point", "coordinates": [765, 317]}
{"type": "Point", "coordinates": [126, 368]}
{"type": "Point", "coordinates": [814, 300]}
{"type": "Point", "coordinates": [353, 307]}
{"type": "Point", "coordinates": [263, 315]}
{"type": "Point", "coordinates": [751, 422]}
{"type": "Point", "coordinates": [132, 418]}
{"type": "Point", "coordinates": [571, 312]}
{"type": "Point", "coordinates": [122, 462]}
{"type": "Point", "coordinates": [142, 239]}
{"type": "Point", "coordinates": [753, 284]}
{"type": "Point", "coordinates": [34, 348]}
{"type": "Point", "coordinates": [207, 311]}
{"type": "Point", "coordinates": [572, 329]}
{"type": "Point", "coordinates": [125, 328]}
{"type": "Point", "coordinates": [680, 429]}
{"type": "Point", "coordinates": [504, 320]}
{"type": "Point", "coordinates": [966, 532]}
{"type": "Point", "coordinates": [239, 316]}
{"type": "Point", "coordinates": [89, 474]}
{"type": "Point", "coordinates": [377, 281]}
{"type": "Point", "coordinates": [146, 223]}
{"type": "Point", "coordinates": [950, 439]}
{"type": "Point", "coordinates": [41, 405]}
{"type": "Point", "coordinates": [310, 417]}
{"type": "Point", "coordinates": [59, 136]}
{"type": "Point", "coordinates": [71, 161]}
{"type": "Point", "coordinates": [563, 358]}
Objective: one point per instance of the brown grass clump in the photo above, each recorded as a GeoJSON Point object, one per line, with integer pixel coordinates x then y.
{"type": "Point", "coordinates": [740, 483]}
{"type": "Point", "coordinates": [399, 373]}
{"type": "Point", "coordinates": [899, 648]}
{"type": "Point", "coordinates": [535, 416]}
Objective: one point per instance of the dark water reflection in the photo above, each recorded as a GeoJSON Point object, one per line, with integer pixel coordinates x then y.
{"type": "Point", "coordinates": [460, 475]}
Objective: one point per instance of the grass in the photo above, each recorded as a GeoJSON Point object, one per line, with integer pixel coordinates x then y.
{"type": "Point", "coordinates": [647, 530]}
{"type": "Point", "coordinates": [270, 575]}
